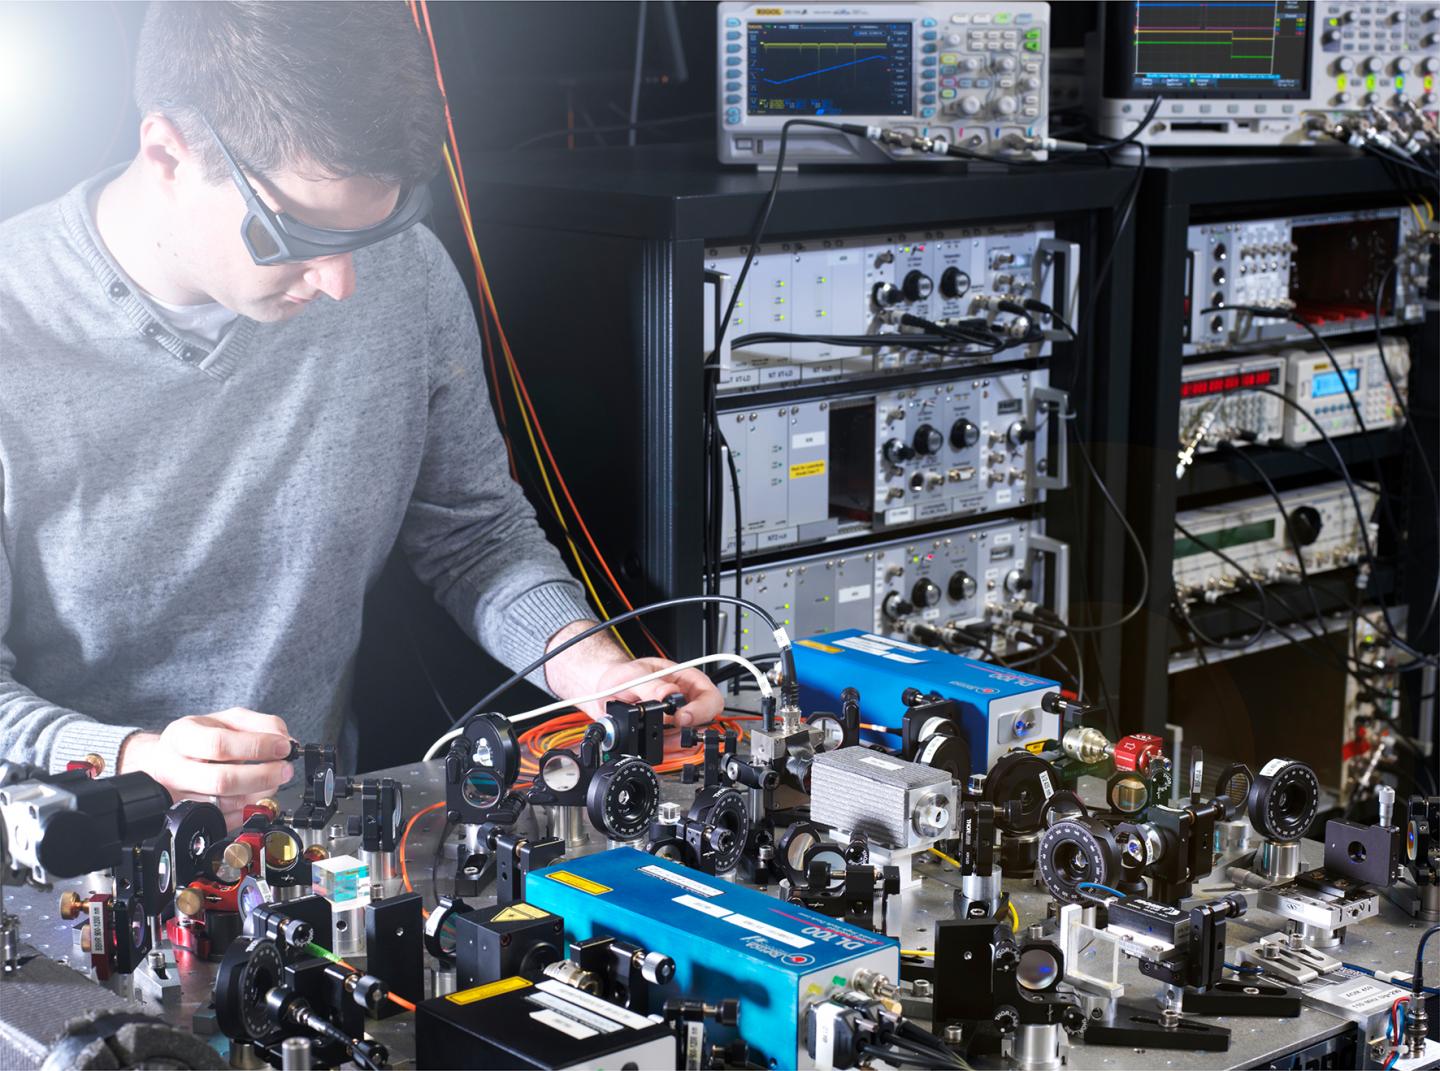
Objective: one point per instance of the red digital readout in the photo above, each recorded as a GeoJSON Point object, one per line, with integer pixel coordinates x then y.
{"type": "Point", "coordinates": [1202, 388]}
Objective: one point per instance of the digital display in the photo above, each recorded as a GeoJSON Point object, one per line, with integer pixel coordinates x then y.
{"type": "Point", "coordinates": [831, 68]}
{"type": "Point", "coordinates": [1209, 50]}
{"type": "Point", "coordinates": [1231, 381]}
{"type": "Point", "coordinates": [1328, 383]}
{"type": "Point", "coordinates": [1225, 538]}
{"type": "Point", "coordinates": [1000, 554]}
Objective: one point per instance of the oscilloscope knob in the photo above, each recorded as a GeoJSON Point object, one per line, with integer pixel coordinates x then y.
{"type": "Point", "coordinates": [969, 105]}
{"type": "Point", "coordinates": [925, 594]}
{"type": "Point", "coordinates": [954, 282]}
{"type": "Point", "coordinates": [917, 286]}
{"type": "Point", "coordinates": [962, 586]}
{"type": "Point", "coordinates": [1006, 105]}
{"type": "Point", "coordinates": [1344, 64]}
{"type": "Point", "coordinates": [928, 439]}
{"type": "Point", "coordinates": [1343, 98]}
{"type": "Point", "coordinates": [1374, 65]}
{"type": "Point", "coordinates": [1431, 65]}
{"type": "Point", "coordinates": [1306, 523]}
{"type": "Point", "coordinates": [970, 64]}
{"type": "Point", "coordinates": [964, 434]}
{"type": "Point", "coordinates": [1402, 64]}
{"type": "Point", "coordinates": [1005, 64]}
{"type": "Point", "coordinates": [897, 452]}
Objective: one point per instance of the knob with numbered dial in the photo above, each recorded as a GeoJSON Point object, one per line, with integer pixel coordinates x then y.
{"type": "Point", "coordinates": [917, 286]}
{"type": "Point", "coordinates": [928, 440]}
{"type": "Point", "coordinates": [961, 586]}
{"type": "Point", "coordinates": [964, 434]}
{"type": "Point", "coordinates": [925, 593]}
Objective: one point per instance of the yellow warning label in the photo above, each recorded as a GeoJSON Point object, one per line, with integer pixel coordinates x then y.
{"type": "Point", "coordinates": [818, 646]}
{"type": "Point", "coordinates": [519, 913]}
{"type": "Point", "coordinates": [485, 992]}
{"type": "Point", "coordinates": [807, 468]}
{"type": "Point", "coordinates": [575, 881]}
{"type": "Point", "coordinates": [1035, 746]}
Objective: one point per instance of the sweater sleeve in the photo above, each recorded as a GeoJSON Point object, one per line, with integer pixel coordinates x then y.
{"type": "Point", "coordinates": [469, 532]}
{"type": "Point", "coordinates": [33, 729]}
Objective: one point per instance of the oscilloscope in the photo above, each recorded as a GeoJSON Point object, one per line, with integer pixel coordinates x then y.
{"type": "Point", "coordinates": [972, 74]}
{"type": "Point", "coordinates": [1249, 73]}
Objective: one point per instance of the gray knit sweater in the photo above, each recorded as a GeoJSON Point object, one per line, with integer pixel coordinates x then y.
{"type": "Point", "coordinates": [186, 528]}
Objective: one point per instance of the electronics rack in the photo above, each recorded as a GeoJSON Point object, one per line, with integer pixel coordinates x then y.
{"type": "Point", "coordinates": [1179, 194]}
{"type": "Point", "coordinates": [620, 241]}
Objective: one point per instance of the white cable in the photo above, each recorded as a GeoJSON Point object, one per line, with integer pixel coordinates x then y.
{"type": "Point", "coordinates": [761, 681]}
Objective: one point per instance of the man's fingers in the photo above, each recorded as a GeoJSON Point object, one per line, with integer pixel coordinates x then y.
{"type": "Point", "coordinates": [252, 721]}
{"type": "Point", "coordinates": [199, 738]}
{"type": "Point", "coordinates": [704, 702]}
{"type": "Point", "coordinates": [247, 780]}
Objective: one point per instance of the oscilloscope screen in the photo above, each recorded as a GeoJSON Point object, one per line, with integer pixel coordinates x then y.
{"type": "Point", "coordinates": [1213, 50]}
{"type": "Point", "coordinates": [830, 68]}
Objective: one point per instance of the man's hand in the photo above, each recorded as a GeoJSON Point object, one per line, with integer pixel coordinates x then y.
{"type": "Point", "coordinates": [599, 662]}
{"type": "Point", "coordinates": [232, 757]}
{"type": "Point", "coordinates": [702, 700]}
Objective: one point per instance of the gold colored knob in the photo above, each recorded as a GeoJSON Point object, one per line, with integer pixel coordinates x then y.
{"type": "Point", "coordinates": [238, 855]}
{"type": "Point", "coordinates": [189, 902]}
{"type": "Point", "coordinates": [315, 853]}
{"type": "Point", "coordinates": [270, 805]}
{"type": "Point", "coordinates": [72, 904]}
{"type": "Point", "coordinates": [97, 763]}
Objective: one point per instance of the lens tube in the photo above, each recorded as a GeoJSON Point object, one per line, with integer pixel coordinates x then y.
{"type": "Point", "coordinates": [1074, 851]}
{"type": "Point", "coordinates": [623, 798]}
{"type": "Point", "coordinates": [1284, 798]}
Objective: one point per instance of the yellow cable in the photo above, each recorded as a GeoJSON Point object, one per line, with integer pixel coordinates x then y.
{"type": "Point", "coordinates": [1014, 917]}
{"type": "Point", "coordinates": [524, 415]}
{"type": "Point", "coordinates": [916, 952]}
{"type": "Point", "coordinates": [1424, 223]}
{"type": "Point", "coordinates": [953, 862]}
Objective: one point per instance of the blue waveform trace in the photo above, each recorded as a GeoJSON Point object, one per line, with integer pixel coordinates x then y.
{"type": "Point", "coordinates": [822, 70]}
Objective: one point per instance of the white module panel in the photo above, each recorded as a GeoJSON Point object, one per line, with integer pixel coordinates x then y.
{"type": "Point", "coordinates": [860, 286]}
{"type": "Point", "coordinates": [874, 461]}
{"type": "Point", "coordinates": [1326, 269]}
{"type": "Point", "coordinates": [1314, 385]}
{"type": "Point", "coordinates": [1253, 533]}
{"type": "Point", "coordinates": [961, 577]}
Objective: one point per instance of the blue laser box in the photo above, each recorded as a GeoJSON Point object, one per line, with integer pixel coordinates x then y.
{"type": "Point", "coordinates": [1000, 708]}
{"type": "Point", "coordinates": [726, 940]}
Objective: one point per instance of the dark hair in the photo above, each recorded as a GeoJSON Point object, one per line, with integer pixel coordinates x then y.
{"type": "Point", "coordinates": [346, 88]}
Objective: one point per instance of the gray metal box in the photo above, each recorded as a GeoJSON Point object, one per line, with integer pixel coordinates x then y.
{"type": "Point", "coordinates": [896, 804]}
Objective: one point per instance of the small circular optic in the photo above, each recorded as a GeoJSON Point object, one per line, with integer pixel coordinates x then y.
{"type": "Point", "coordinates": [1037, 969]}
{"type": "Point", "coordinates": [561, 771]}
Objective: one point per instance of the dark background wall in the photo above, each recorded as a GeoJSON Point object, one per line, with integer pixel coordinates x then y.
{"type": "Point", "coordinates": [518, 74]}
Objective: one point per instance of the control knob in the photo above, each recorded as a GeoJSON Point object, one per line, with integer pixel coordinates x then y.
{"type": "Point", "coordinates": [1343, 98]}
{"type": "Point", "coordinates": [1431, 65]}
{"type": "Point", "coordinates": [1402, 64]}
{"type": "Point", "coordinates": [917, 286]}
{"type": "Point", "coordinates": [962, 586]}
{"type": "Point", "coordinates": [1030, 82]}
{"type": "Point", "coordinates": [1374, 65]}
{"type": "Point", "coordinates": [925, 594]}
{"type": "Point", "coordinates": [897, 452]}
{"type": "Point", "coordinates": [969, 105]}
{"type": "Point", "coordinates": [928, 439]}
{"type": "Point", "coordinates": [963, 434]}
{"type": "Point", "coordinates": [1005, 64]}
{"type": "Point", "coordinates": [1305, 525]}
{"type": "Point", "coordinates": [1006, 105]}
{"type": "Point", "coordinates": [1344, 64]}
{"type": "Point", "coordinates": [894, 607]}
{"type": "Point", "coordinates": [887, 295]}
{"type": "Point", "coordinates": [1017, 582]}
{"type": "Point", "coordinates": [954, 283]}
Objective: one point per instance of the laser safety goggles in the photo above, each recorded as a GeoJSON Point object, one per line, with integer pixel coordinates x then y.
{"type": "Point", "coordinates": [278, 238]}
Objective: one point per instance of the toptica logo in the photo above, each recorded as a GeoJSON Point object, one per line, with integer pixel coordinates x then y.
{"type": "Point", "coordinates": [765, 948]}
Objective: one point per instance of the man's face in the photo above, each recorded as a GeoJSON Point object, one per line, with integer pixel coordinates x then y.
{"type": "Point", "coordinates": [216, 262]}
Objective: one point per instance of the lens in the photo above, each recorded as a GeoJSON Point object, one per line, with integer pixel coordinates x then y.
{"type": "Point", "coordinates": [250, 897]}
{"type": "Point", "coordinates": [262, 243]}
{"type": "Point", "coordinates": [796, 850]}
{"type": "Point", "coordinates": [1411, 840]}
{"type": "Point", "coordinates": [162, 871]}
{"type": "Point", "coordinates": [1070, 861]}
{"type": "Point", "coordinates": [1356, 851]}
{"type": "Point", "coordinates": [1037, 969]}
{"type": "Point", "coordinates": [481, 788]}
{"type": "Point", "coordinates": [833, 733]}
{"type": "Point", "coordinates": [561, 771]}
{"type": "Point", "coordinates": [282, 849]}
{"type": "Point", "coordinates": [198, 844]}
{"type": "Point", "coordinates": [1290, 801]}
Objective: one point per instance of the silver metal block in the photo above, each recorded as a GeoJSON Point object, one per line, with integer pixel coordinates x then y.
{"type": "Point", "coordinates": [896, 804]}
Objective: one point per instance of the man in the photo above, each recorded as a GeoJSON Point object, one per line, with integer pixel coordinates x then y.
{"type": "Point", "coordinates": [232, 376]}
